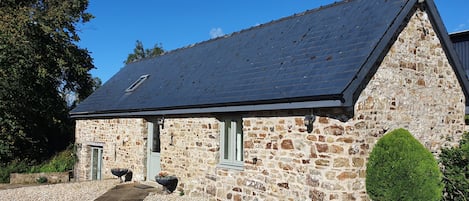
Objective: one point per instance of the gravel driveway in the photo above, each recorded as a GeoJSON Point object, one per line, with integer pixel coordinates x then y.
{"type": "Point", "coordinates": [89, 190]}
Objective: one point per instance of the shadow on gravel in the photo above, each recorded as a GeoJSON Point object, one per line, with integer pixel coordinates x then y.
{"type": "Point", "coordinates": [127, 192]}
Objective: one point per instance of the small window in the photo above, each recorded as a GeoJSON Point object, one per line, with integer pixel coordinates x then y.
{"type": "Point", "coordinates": [231, 143]}
{"type": "Point", "coordinates": [137, 83]}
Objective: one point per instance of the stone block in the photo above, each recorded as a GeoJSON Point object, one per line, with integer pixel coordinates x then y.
{"type": "Point", "coordinates": [334, 130]}
{"type": "Point", "coordinates": [336, 149]}
{"type": "Point", "coordinates": [341, 162]}
{"type": "Point", "coordinates": [322, 162]}
{"type": "Point", "coordinates": [287, 144]}
{"type": "Point", "coordinates": [322, 148]}
{"type": "Point", "coordinates": [358, 162]}
{"type": "Point", "coordinates": [347, 175]}
{"type": "Point", "coordinates": [312, 138]}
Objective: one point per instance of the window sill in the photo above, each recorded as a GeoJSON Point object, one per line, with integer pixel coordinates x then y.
{"type": "Point", "coordinates": [231, 166]}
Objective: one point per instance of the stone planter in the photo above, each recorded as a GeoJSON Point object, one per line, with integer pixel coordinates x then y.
{"type": "Point", "coordinates": [168, 182]}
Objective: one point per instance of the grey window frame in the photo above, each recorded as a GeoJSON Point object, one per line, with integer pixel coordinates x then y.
{"type": "Point", "coordinates": [137, 83]}
{"type": "Point", "coordinates": [231, 143]}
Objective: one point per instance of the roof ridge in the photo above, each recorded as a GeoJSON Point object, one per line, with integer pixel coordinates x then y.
{"type": "Point", "coordinates": [308, 11]}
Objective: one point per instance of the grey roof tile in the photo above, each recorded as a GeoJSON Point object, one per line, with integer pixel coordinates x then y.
{"type": "Point", "coordinates": [314, 55]}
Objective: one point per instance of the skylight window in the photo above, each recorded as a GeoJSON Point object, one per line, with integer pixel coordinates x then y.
{"type": "Point", "coordinates": [137, 83]}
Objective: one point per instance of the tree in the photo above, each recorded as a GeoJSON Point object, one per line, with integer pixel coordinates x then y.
{"type": "Point", "coordinates": [141, 53]}
{"type": "Point", "coordinates": [39, 61]}
{"type": "Point", "coordinates": [401, 168]}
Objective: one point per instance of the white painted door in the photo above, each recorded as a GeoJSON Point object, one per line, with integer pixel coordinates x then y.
{"type": "Point", "coordinates": [153, 151]}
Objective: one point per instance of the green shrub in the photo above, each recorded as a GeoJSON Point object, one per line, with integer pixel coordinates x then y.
{"type": "Point", "coordinates": [61, 162]}
{"type": "Point", "coordinates": [400, 168]}
{"type": "Point", "coordinates": [41, 180]}
{"type": "Point", "coordinates": [13, 167]}
{"type": "Point", "coordinates": [455, 162]}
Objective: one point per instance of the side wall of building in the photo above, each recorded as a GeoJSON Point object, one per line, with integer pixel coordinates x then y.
{"type": "Point", "coordinates": [414, 88]}
{"type": "Point", "coordinates": [123, 142]}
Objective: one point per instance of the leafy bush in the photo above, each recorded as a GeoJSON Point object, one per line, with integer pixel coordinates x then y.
{"type": "Point", "coordinates": [41, 180]}
{"type": "Point", "coordinates": [455, 170]}
{"type": "Point", "coordinates": [13, 167]}
{"type": "Point", "coordinates": [400, 168]}
{"type": "Point", "coordinates": [61, 162]}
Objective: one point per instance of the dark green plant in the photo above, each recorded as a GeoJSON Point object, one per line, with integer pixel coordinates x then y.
{"type": "Point", "coordinates": [181, 193]}
{"type": "Point", "coordinates": [401, 168]}
{"type": "Point", "coordinates": [455, 168]}
{"type": "Point", "coordinates": [12, 167]}
{"type": "Point", "coordinates": [41, 180]}
{"type": "Point", "coordinates": [61, 162]}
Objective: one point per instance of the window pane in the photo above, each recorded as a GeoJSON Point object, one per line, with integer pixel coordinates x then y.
{"type": "Point", "coordinates": [100, 163]}
{"type": "Point", "coordinates": [226, 147]}
{"type": "Point", "coordinates": [239, 141]}
{"type": "Point", "coordinates": [156, 138]}
{"type": "Point", "coordinates": [94, 165]}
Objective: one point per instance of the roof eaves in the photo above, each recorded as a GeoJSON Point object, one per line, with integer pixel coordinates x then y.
{"type": "Point", "coordinates": [369, 67]}
{"type": "Point", "coordinates": [215, 109]}
{"type": "Point", "coordinates": [464, 33]}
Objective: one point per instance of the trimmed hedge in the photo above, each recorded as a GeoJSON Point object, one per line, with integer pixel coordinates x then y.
{"type": "Point", "coordinates": [401, 168]}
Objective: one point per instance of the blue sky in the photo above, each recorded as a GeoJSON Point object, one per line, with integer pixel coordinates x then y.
{"type": "Point", "coordinates": [111, 36]}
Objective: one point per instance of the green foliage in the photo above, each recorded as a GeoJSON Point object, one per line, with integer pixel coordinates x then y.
{"type": "Point", "coordinates": [39, 63]}
{"type": "Point", "coordinates": [181, 193]}
{"type": "Point", "coordinates": [41, 180]}
{"type": "Point", "coordinates": [13, 167]}
{"type": "Point", "coordinates": [61, 162]}
{"type": "Point", "coordinates": [141, 53]}
{"type": "Point", "coordinates": [400, 168]}
{"type": "Point", "coordinates": [455, 170]}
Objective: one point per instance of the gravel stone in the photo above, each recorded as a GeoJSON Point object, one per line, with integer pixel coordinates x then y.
{"type": "Point", "coordinates": [88, 190]}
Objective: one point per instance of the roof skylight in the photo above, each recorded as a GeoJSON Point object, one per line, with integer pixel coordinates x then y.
{"type": "Point", "coordinates": [137, 83]}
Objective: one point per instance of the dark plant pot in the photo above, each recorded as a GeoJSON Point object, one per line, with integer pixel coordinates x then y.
{"type": "Point", "coordinates": [169, 182]}
{"type": "Point", "coordinates": [119, 172]}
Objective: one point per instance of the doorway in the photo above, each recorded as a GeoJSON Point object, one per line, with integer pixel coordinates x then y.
{"type": "Point", "coordinates": [96, 162]}
{"type": "Point", "coordinates": [153, 151]}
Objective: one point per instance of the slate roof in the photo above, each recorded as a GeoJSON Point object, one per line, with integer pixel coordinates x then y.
{"type": "Point", "coordinates": [461, 45]}
{"type": "Point", "coordinates": [319, 58]}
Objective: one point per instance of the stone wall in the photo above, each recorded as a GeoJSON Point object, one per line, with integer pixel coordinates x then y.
{"type": "Point", "coordinates": [123, 141]}
{"type": "Point", "coordinates": [33, 178]}
{"type": "Point", "coordinates": [193, 154]}
{"type": "Point", "coordinates": [414, 88]}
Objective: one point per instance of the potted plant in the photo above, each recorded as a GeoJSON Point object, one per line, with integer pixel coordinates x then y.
{"type": "Point", "coordinates": [169, 182]}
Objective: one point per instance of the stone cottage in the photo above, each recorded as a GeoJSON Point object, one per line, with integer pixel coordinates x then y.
{"type": "Point", "coordinates": [287, 110]}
